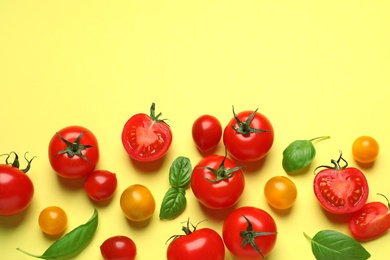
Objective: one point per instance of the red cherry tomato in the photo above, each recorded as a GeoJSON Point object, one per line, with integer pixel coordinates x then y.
{"type": "Point", "coordinates": [146, 138]}
{"type": "Point", "coordinates": [371, 221]}
{"type": "Point", "coordinates": [248, 136]}
{"type": "Point", "coordinates": [249, 233]}
{"type": "Point", "coordinates": [341, 190]}
{"type": "Point", "coordinates": [101, 185]}
{"type": "Point", "coordinates": [206, 132]}
{"type": "Point", "coordinates": [118, 248]}
{"type": "Point", "coordinates": [16, 188]}
{"type": "Point", "coordinates": [217, 182]}
{"type": "Point", "coordinates": [73, 152]}
{"type": "Point", "coordinates": [205, 244]}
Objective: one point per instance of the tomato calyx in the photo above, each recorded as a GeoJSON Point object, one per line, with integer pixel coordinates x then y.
{"type": "Point", "coordinates": [336, 164]}
{"type": "Point", "coordinates": [245, 128]}
{"type": "Point", "coordinates": [186, 229]}
{"type": "Point", "coordinates": [16, 163]}
{"type": "Point", "coordinates": [222, 173]}
{"type": "Point", "coordinates": [74, 148]}
{"type": "Point", "coordinates": [249, 236]}
{"type": "Point", "coordinates": [388, 202]}
{"type": "Point", "coordinates": [154, 117]}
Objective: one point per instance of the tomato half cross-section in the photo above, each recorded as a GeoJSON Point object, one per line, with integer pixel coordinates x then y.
{"type": "Point", "coordinates": [145, 137]}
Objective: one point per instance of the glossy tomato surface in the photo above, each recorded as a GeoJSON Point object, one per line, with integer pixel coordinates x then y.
{"type": "Point", "coordinates": [137, 203]}
{"type": "Point", "coordinates": [16, 190]}
{"type": "Point", "coordinates": [206, 132]}
{"type": "Point", "coordinates": [280, 192]}
{"type": "Point", "coordinates": [217, 186]}
{"type": "Point", "coordinates": [53, 220]}
{"type": "Point", "coordinates": [237, 222]}
{"type": "Point", "coordinates": [101, 185]}
{"type": "Point", "coordinates": [118, 248]}
{"type": "Point", "coordinates": [365, 149]}
{"type": "Point", "coordinates": [73, 152]}
{"type": "Point", "coordinates": [248, 136]}
{"type": "Point", "coordinates": [204, 244]}
{"type": "Point", "coordinates": [146, 138]}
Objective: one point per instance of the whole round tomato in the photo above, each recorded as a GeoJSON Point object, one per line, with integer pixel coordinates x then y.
{"type": "Point", "coordinates": [73, 152]}
{"type": "Point", "coordinates": [371, 221]}
{"type": "Point", "coordinates": [53, 220]}
{"type": "Point", "coordinates": [137, 203]}
{"type": "Point", "coordinates": [16, 188]}
{"type": "Point", "coordinates": [341, 189]}
{"type": "Point", "coordinates": [280, 192]}
{"type": "Point", "coordinates": [146, 138]}
{"type": "Point", "coordinates": [248, 136]}
{"type": "Point", "coordinates": [206, 132]}
{"type": "Point", "coordinates": [365, 149]}
{"type": "Point", "coordinates": [118, 248]}
{"type": "Point", "coordinates": [101, 185]}
{"type": "Point", "coordinates": [205, 244]}
{"type": "Point", "coordinates": [217, 182]}
{"type": "Point", "coordinates": [249, 233]}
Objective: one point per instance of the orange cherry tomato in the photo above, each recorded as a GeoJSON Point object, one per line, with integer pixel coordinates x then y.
{"type": "Point", "coordinates": [280, 192]}
{"type": "Point", "coordinates": [53, 220]}
{"type": "Point", "coordinates": [137, 203]}
{"type": "Point", "coordinates": [365, 149]}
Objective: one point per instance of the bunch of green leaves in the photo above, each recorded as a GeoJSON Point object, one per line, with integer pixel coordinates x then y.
{"type": "Point", "coordinates": [174, 201]}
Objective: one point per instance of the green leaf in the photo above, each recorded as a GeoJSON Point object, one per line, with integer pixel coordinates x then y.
{"type": "Point", "coordinates": [72, 243]}
{"type": "Point", "coordinates": [330, 244]}
{"type": "Point", "coordinates": [180, 172]}
{"type": "Point", "coordinates": [174, 203]}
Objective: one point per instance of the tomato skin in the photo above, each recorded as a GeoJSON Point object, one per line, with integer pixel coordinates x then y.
{"type": "Point", "coordinates": [73, 167]}
{"type": "Point", "coordinates": [137, 203]}
{"type": "Point", "coordinates": [118, 248]}
{"type": "Point", "coordinates": [280, 192]}
{"type": "Point", "coordinates": [365, 149]}
{"type": "Point", "coordinates": [205, 244]}
{"type": "Point", "coordinates": [16, 190]}
{"type": "Point", "coordinates": [206, 132]}
{"type": "Point", "coordinates": [53, 220]}
{"type": "Point", "coordinates": [146, 138]}
{"type": "Point", "coordinates": [216, 195]}
{"type": "Point", "coordinates": [236, 223]}
{"type": "Point", "coordinates": [348, 185]}
{"type": "Point", "coordinates": [251, 147]}
{"type": "Point", "coordinates": [101, 185]}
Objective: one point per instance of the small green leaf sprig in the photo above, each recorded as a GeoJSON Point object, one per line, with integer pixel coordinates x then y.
{"type": "Point", "coordinates": [174, 201]}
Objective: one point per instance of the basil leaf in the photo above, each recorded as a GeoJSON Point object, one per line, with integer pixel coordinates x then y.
{"type": "Point", "coordinates": [330, 244]}
{"type": "Point", "coordinates": [174, 203]}
{"type": "Point", "coordinates": [180, 172]}
{"type": "Point", "coordinates": [72, 243]}
{"type": "Point", "coordinates": [299, 154]}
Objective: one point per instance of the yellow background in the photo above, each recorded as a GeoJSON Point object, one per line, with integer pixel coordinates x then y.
{"type": "Point", "coordinates": [312, 67]}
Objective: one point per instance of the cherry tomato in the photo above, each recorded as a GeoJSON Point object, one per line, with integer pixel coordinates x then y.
{"type": "Point", "coordinates": [205, 244]}
{"type": "Point", "coordinates": [146, 138]}
{"type": "Point", "coordinates": [53, 220]}
{"type": "Point", "coordinates": [371, 221]}
{"type": "Point", "coordinates": [118, 248]}
{"type": "Point", "coordinates": [280, 192]}
{"type": "Point", "coordinates": [73, 152]}
{"type": "Point", "coordinates": [217, 182]}
{"type": "Point", "coordinates": [248, 136]}
{"type": "Point", "coordinates": [16, 188]}
{"type": "Point", "coordinates": [365, 149]}
{"type": "Point", "coordinates": [249, 233]}
{"type": "Point", "coordinates": [206, 132]}
{"type": "Point", "coordinates": [137, 203]}
{"type": "Point", "coordinates": [101, 185]}
{"type": "Point", "coordinates": [341, 190]}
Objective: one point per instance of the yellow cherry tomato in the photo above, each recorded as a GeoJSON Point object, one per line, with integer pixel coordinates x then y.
{"type": "Point", "coordinates": [365, 149]}
{"type": "Point", "coordinates": [280, 192]}
{"type": "Point", "coordinates": [137, 203]}
{"type": "Point", "coordinates": [53, 220]}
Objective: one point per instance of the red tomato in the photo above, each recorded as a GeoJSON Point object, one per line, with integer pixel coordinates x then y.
{"type": "Point", "coordinates": [248, 136]}
{"type": "Point", "coordinates": [118, 248]}
{"type": "Point", "coordinates": [16, 188]}
{"type": "Point", "coordinates": [341, 190]}
{"type": "Point", "coordinates": [206, 132]}
{"type": "Point", "coordinates": [249, 233]}
{"type": "Point", "coordinates": [217, 182]}
{"type": "Point", "coordinates": [73, 152]}
{"type": "Point", "coordinates": [101, 185]}
{"type": "Point", "coordinates": [146, 138]}
{"type": "Point", "coordinates": [205, 244]}
{"type": "Point", "coordinates": [371, 221]}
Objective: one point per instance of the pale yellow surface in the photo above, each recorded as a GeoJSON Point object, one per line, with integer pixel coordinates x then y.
{"type": "Point", "coordinates": [312, 67]}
